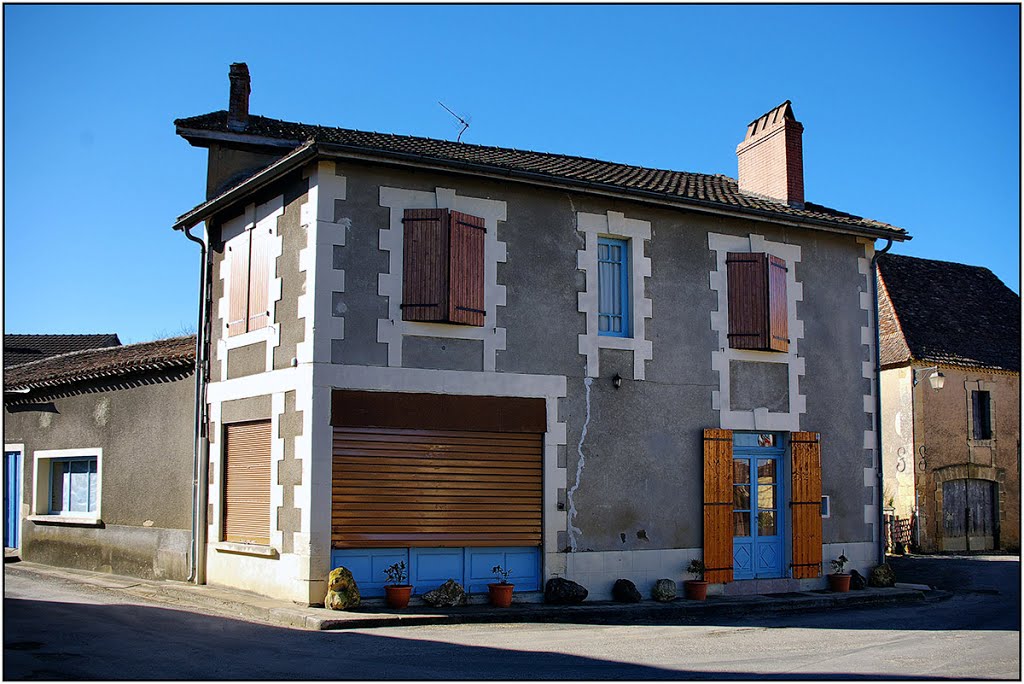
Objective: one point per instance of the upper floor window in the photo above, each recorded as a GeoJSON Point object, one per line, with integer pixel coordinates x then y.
{"type": "Point", "coordinates": [248, 255]}
{"type": "Point", "coordinates": [443, 267]}
{"type": "Point", "coordinates": [758, 317]}
{"type": "Point", "coordinates": [613, 287]}
{"type": "Point", "coordinates": [981, 405]}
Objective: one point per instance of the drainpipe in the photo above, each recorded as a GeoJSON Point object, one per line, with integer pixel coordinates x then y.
{"type": "Point", "coordinates": [878, 402]}
{"type": "Point", "coordinates": [200, 443]}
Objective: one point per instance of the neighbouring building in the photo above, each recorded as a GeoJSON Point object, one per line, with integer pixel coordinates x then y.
{"type": "Point", "coordinates": [99, 448]}
{"type": "Point", "coordinates": [951, 449]}
{"type": "Point", "coordinates": [459, 356]}
{"type": "Point", "coordinates": [19, 349]}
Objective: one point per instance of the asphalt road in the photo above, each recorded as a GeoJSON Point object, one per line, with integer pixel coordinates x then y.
{"type": "Point", "coordinates": [57, 629]}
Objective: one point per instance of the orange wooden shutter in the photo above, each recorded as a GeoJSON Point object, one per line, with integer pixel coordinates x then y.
{"type": "Point", "coordinates": [778, 338]}
{"type": "Point", "coordinates": [806, 504]}
{"type": "Point", "coordinates": [467, 269]}
{"type": "Point", "coordinates": [238, 284]}
{"type": "Point", "coordinates": [247, 482]}
{"type": "Point", "coordinates": [425, 265]}
{"type": "Point", "coordinates": [259, 277]}
{"type": "Point", "coordinates": [718, 505]}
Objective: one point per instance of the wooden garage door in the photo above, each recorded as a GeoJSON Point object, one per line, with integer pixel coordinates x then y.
{"type": "Point", "coordinates": [405, 487]}
{"type": "Point", "coordinates": [247, 482]}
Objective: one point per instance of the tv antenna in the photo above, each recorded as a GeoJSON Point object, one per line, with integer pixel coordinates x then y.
{"type": "Point", "coordinates": [465, 124]}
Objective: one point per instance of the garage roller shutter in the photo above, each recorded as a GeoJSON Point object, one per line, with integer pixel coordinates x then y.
{"type": "Point", "coordinates": [404, 487]}
{"type": "Point", "coordinates": [247, 482]}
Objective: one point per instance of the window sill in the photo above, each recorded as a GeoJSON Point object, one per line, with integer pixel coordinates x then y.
{"type": "Point", "coordinates": [78, 521]}
{"type": "Point", "coordinates": [263, 334]}
{"type": "Point", "coordinates": [246, 549]}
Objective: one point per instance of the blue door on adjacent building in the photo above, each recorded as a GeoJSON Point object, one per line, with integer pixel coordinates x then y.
{"type": "Point", "coordinates": [758, 512]}
{"type": "Point", "coordinates": [12, 479]}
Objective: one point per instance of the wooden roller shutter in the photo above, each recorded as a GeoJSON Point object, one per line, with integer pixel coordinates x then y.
{"type": "Point", "coordinates": [806, 504]}
{"type": "Point", "coordinates": [247, 482]}
{"type": "Point", "coordinates": [425, 265]}
{"type": "Point", "coordinates": [718, 505]}
{"type": "Point", "coordinates": [260, 265]}
{"type": "Point", "coordinates": [238, 285]}
{"type": "Point", "coordinates": [757, 301]}
{"type": "Point", "coordinates": [467, 269]}
{"type": "Point", "coordinates": [404, 487]}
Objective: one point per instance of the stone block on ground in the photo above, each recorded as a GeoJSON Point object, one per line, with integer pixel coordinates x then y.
{"type": "Point", "coordinates": [882, 576]}
{"type": "Point", "coordinates": [342, 591]}
{"type": "Point", "coordinates": [664, 590]}
{"type": "Point", "coordinates": [563, 592]}
{"type": "Point", "coordinates": [625, 591]}
{"type": "Point", "coordinates": [857, 580]}
{"type": "Point", "coordinates": [448, 594]}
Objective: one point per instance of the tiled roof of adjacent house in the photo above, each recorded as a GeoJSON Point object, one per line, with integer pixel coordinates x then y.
{"type": "Point", "coordinates": [695, 188]}
{"type": "Point", "coordinates": [946, 313]}
{"type": "Point", "coordinates": [95, 364]}
{"type": "Point", "coordinates": [19, 349]}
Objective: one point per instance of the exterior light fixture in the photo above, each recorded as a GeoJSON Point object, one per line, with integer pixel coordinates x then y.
{"type": "Point", "coordinates": [936, 379]}
{"type": "Point", "coordinates": [617, 381]}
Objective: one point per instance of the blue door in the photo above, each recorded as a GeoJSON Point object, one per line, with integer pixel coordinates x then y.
{"type": "Point", "coordinates": [12, 479]}
{"type": "Point", "coordinates": [758, 514]}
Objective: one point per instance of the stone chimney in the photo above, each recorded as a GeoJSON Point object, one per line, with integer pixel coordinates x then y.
{"type": "Point", "coordinates": [771, 157]}
{"type": "Point", "coordinates": [238, 102]}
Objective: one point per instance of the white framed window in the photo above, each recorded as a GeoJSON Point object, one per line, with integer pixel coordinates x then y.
{"type": "Point", "coordinates": [67, 486]}
{"type": "Point", "coordinates": [613, 287]}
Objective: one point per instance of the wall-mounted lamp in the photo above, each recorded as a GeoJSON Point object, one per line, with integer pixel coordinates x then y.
{"type": "Point", "coordinates": [617, 381]}
{"type": "Point", "coordinates": [936, 379]}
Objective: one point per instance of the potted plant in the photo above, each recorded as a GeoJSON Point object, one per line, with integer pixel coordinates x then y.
{"type": "Point", "coordinates": [501, 591]}
{"type": "Point", "coordinates": [696, 589]}
{"type": "Point", "coordinates": [839, 581]}
{"type": "Point", "coordinates": [396, 590]}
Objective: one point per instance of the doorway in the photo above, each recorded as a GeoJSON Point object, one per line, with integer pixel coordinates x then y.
{"type": "Point", "coordinates": [758, 515]}
{"type": "Point", "coordinates": [12, 498]}
{"type": "Point", "coordinates": [969, 515]}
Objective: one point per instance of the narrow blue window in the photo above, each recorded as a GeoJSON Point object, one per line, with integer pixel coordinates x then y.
{"type": "Point", "coordinates": [613, 287]}
{"type": "Point", "coordinates": [73, 485]}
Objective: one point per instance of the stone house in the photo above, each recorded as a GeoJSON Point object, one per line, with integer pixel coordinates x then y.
{"type": "Point", "coordinates": [951, 449]}
{"type": "Point", "coordinates": [99, 458]}
{"type": "Point", "coordinates": [460, 356]}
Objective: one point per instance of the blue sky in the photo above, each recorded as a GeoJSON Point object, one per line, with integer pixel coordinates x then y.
{"type": "Point", "coordinates": [911, 116]}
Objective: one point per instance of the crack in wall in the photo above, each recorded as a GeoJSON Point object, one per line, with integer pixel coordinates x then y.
{"type": "Point", "coordinates": [573, 530]}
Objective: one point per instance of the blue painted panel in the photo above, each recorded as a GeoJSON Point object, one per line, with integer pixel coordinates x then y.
{"type": "Point", "coordinates": [523, 561]}
{"type": "Point", "coordinates": [367, 566]}
{"type": "Point", "coordinates": [430, 568]}
{"type": "Point", "coordinates": [12, 478]}
{"type": "Point", "coordinates": [762, 553]}
{"type": "Point", "coordinates": [742, 558]}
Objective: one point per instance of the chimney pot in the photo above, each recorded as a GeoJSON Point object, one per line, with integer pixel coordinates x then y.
{"type": "Point", "coordinates": [238, 100]}
{"type": "Point", "coordinates": [771, 157]}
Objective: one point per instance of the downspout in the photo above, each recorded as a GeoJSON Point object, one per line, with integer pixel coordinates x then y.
{"type": "Point", "coordinates": [878, 402]}
{"type": "Point", "coordinates": [200, 442]}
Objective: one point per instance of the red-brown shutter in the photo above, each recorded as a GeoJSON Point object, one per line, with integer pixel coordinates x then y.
{"type": "Point", "coordinates": [467, 269]}
{"type": "Point", "coordinates": [259, 277]}
{"type": "Point", "coordinates": [778, 320]}
{"type": "Point", "coordinates": [757, 301]}
{"type": "Point", "coordinates": [806, 504]}
{"type": "Point", "coordinates": [718, 505]}
{"type": "Point", "coordinates": [247, 482]}
{"type": "Point", "coordinates": [238, 284]}
{"type": "Point", "coordinates": [425, 265]}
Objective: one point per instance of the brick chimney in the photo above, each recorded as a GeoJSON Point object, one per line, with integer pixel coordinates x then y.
{"type": "Point", "coordinates": [238, 101]}
{"type": "Point", "coordinates": [771, 157]}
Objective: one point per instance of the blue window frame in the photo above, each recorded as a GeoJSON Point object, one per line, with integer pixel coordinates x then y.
{"type": "Point", "coordinates": [613, 287]}
{"type": "Point", "coordinates": [73, 485]}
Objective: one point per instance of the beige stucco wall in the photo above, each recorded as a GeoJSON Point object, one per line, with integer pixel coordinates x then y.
{"type": "Point", "coordinates": [898, 440]}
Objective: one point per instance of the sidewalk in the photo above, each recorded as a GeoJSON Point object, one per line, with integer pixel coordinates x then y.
{"type": "Point", "coordinates": [373, 613]}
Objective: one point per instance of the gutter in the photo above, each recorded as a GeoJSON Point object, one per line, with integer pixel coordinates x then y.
{"type": "Point", "coordinates": [200, 443]}
{"type": "Point", "coordinates": [878, 401]}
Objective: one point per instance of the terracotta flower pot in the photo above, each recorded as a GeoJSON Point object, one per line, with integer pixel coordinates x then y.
{"type": "Point", "coordinates": [397, 595]}
{"type": "Point", "coordinates": [696, 590]}
{"type": "Point", "coordinates": [501, 594]}
{"type": "Point", "coordinates": [839, 582]}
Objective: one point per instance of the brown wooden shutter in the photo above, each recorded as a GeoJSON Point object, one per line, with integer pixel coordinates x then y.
{"type": "Point", "coordinates": [404, 487]}
{"type": "Point", "coordinates": [467, 269]}
{"type": "Point", "coordinates": [718, 505]}
{"type": "Point", "coordinates": [805, 503]}
{"type": "Point", "coordinates": [238, 285]}
{"type": "Point", "coordinates": [778, 338]}
{"type": "Point", "coordinates": [247, 482]}
{"type": "Point", "coordinates": [425, 265]}
{"type": "Point", "coordinates": [259, 277]}
{"type": "Point", "coordinates": [757, 301]}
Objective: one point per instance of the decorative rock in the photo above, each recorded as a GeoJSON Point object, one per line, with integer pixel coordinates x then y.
{"type": "Point", "coordinates": [448, 594]}
{"type": "Point", "coordinates": [882, 576]}
{"type": "Point", "coordinates": [563, 592]}
{"type": "Point", "coordinates": [664, 590]}
{"type": "Point", "coordinates": [342, 592]}
{"type": "Point", "coordinates": [625, 591]}
{"type": "Point", "coordinates": [857, 580]}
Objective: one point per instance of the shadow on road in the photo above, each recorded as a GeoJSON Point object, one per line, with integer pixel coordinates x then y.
{"type": "Point", "coordinates": [59, 641]}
